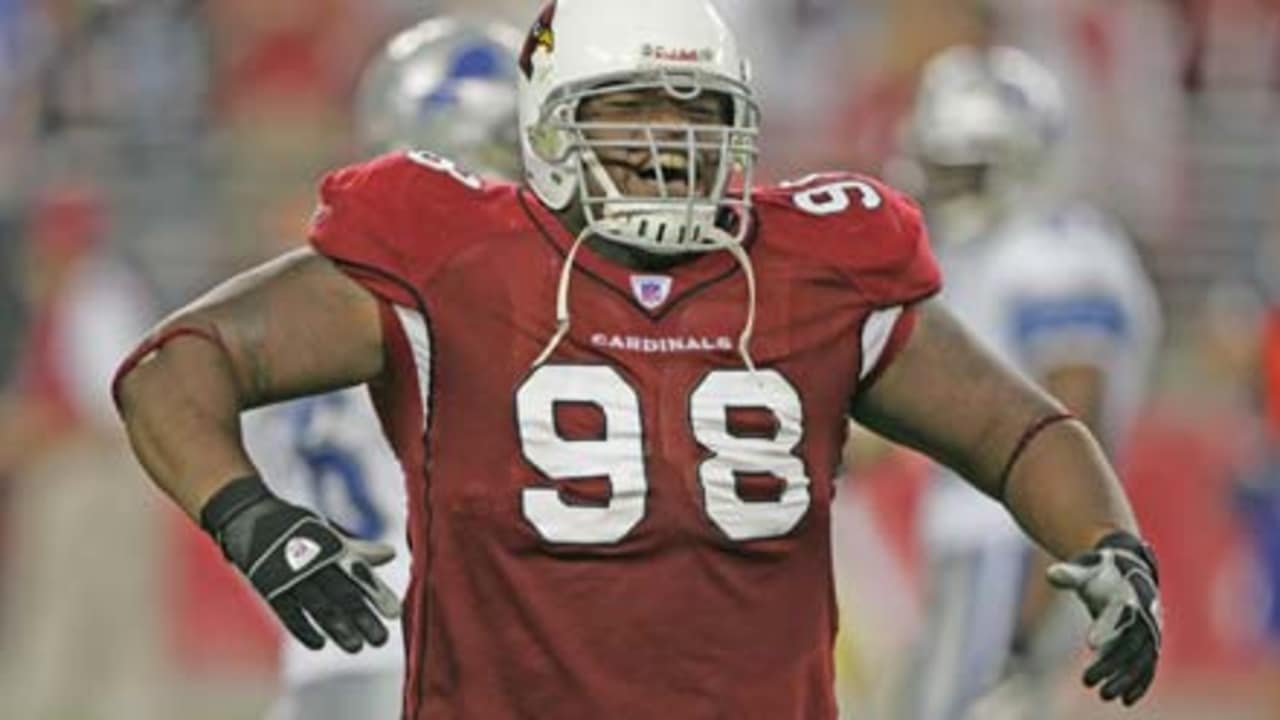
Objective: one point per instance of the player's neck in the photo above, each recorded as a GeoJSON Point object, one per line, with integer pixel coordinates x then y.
{"type": "Point", "coordinates": [632, 258]}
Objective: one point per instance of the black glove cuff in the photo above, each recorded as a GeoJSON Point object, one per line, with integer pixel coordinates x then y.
{"type": "Point", "coordinates": [1124, 540]}
{"type": "Point", "coordinates": [234, 498]}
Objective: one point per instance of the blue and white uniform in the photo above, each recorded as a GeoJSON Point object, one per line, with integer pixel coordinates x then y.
{"type": "Point", "coordinates": [1044, 291]}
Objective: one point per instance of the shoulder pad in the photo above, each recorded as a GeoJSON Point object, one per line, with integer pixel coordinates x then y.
{"type": "Point", "coordinates": [402, 214]}
{"type": "Point", "coordinates": [870, 233]}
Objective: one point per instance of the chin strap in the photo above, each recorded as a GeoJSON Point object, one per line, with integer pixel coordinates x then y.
{"type": "Point", "coordinates": [744, 338]}
{"type": "Point", "coordinates": [562, 298]}
{"type": "Point", "coordinates": [562, 301]}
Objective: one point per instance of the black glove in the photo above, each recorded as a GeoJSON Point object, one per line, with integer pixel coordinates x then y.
{"type": "Point", "coordinates": [1119, 582]}
{"type": "Point", "coordinates": [303, 566]}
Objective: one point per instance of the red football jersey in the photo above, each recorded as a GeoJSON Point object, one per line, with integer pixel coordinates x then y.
{"type": "Point", "coordinates": [639, 527]}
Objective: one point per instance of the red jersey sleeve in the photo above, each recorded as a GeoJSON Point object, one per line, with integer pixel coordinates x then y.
{"type": "Point", "coordinates": [901, 267]}
{"type": "Point", "coordinates": [869, 233]}
{"type": "Point", "coordinates": [891, 264]}
{"type": "Point", "coordinates": [389, 223]}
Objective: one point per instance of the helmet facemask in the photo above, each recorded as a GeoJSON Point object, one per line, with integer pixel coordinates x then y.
{"type": "Point", "coordinates": [701, 172]}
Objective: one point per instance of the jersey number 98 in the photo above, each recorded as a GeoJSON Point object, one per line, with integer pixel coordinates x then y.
{"type": "Point", "coordinates": [620, 454]}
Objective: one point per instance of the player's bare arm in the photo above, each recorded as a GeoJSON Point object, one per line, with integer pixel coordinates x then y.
{"type": "Point", "coordinates": [293, 326]}
{"type": "Point", "coordinates": [1081, 388]}
{"type": "Point", "coordinates": [1059, 487]}
{"type": "Point", "coordinates": [1014, 442]}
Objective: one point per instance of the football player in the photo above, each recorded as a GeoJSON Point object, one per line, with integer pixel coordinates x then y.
{"type": "Point", "coordinates": [1057, 291]}
{"type": "Point", "coordinates": [448, 85]}
{"type": "Point", "coordinates": [618, 393]}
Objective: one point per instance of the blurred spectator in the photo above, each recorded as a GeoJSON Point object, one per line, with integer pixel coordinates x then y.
{"type": "Point", "coordinates": [118, 90]}
{"type": "Point", "coordinates": [82, 304]}
{"type": "Point", "coordinates": [1119, 62]}
{"type": "Point", "coordinates": [1268, 267]}
{"type": "Point", "coordinates": [282, 78]}
{"type": "Point", "coordinates": [1259, 498]}
{"type": "Point", "coordinates": [1230, 44]}
{"type": "Point", "coordinates": [885, 65]}
{"type": "Point", "coordinates": [78, 634]}
{"type": "Point", "coordinates": [791, 45]}
{"type": "Point", "coordinates": [23, 41]}
{"type": "Point", "coordinates": [289, 58]}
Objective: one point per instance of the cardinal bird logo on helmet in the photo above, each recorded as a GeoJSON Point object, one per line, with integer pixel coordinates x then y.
{"type": "Point", "coordinates": [540, 36]}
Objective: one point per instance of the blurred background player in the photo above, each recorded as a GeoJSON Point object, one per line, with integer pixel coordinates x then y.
{"type": "Point", "coordinates": [445, 86]}
{"type": "Point", "coordinates": [1058, 291]}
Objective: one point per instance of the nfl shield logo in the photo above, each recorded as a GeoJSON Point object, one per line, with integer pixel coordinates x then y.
{"type": "Point", "coordinates": [651, 290]}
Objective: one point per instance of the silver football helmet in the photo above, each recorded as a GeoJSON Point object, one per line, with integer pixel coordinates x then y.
{"type": "Point", "coordinates": [982, 139]}
{"type": "Point", "coordinates": [986, 120]}
{"type": "Point", "coordinates": [448, 86]}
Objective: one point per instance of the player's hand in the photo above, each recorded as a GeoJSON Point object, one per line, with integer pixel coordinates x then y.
{"type": "Point", "coordinates": [304, 567]}
{"type": "Point", "coordinates": [1119, 583]}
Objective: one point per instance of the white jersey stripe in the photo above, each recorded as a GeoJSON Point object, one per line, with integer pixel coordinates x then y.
{"type": "Point", "coordinates": [875, 337]}
{"type": "Point", "coordinates": [414, 325]}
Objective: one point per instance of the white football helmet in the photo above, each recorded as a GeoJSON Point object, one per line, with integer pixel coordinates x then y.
{"type": "Point", "coordinates": [579, 49]}
{"type": "Point", "coordinates": [996, 109]}
{"type": "Point", "coordinates": [447, 86]}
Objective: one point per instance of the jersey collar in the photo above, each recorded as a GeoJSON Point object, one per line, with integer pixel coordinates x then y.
{"type": "Point", "coordinates": [686, 279]}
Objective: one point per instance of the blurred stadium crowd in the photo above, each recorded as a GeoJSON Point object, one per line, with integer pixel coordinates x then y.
{"type": "Point", "coordinates": [151, 147]}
